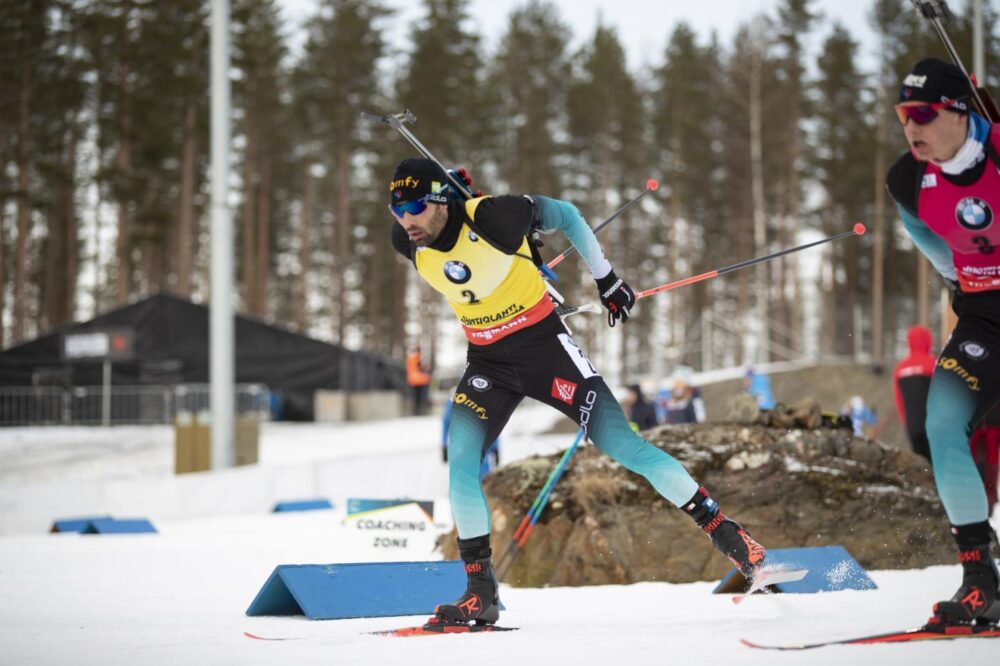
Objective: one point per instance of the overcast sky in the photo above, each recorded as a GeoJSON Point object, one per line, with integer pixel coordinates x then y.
{"type": "Point", "coordinates": [643, 25]}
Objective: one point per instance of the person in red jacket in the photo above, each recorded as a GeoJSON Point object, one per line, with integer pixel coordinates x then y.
{"type": "Point", "coordinates": [911, 381]}
{"type": "Point", "coordinates": [985, 445]}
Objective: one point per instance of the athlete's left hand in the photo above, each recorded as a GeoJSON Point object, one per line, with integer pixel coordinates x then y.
{"type": "Point", "coordinates": [616, 296]}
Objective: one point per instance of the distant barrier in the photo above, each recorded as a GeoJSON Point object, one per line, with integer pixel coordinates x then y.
{"type": "Point", "coordinates": [129, 405]}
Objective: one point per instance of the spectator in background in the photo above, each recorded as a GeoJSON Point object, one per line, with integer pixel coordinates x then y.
{"type": "Point", "coordinates": [684, 404]}
{"type": "Point", "coordinates": [985, 445]}
{"type": "Point", "coordinates": [758, 384]}
{"type": "Point", "coordinates": [276, 405]}
{"type": "Point", "coordinates": [911, 381]}
{"type": "Point", "coordinates": [859, 413]}
{"type": "Point", "coordinates": [418, 379]}
{"type": "Point", "coordinates": [638, 410]}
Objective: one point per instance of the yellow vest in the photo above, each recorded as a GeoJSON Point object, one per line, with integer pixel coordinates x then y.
{"type": "Point", "coordinates": [492, 293]}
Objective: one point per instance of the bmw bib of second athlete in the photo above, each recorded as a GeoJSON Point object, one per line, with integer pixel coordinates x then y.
{"type": "Point", "coordinates": [966, 217]}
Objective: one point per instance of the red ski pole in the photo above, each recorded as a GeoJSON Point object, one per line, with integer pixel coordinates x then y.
{"type": "Point", "coordinates": [858, 230]}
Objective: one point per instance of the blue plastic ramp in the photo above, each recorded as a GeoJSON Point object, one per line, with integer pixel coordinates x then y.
{"type": "Point", "coordinates": [114, 526]}
{"type": "Point", "coordinates": [302, 505]}
{"type": "Point", "coordinates": [74, 524]}
{"type": "Point", "coordinates": [831, 568]}
{"type": "Point", "coordinates": [370, 589]}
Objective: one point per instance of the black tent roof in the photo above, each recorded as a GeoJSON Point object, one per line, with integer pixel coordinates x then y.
{"type": "Point", "coordinates": [171, 341]}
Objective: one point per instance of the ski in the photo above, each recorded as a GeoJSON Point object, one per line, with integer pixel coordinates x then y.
{"type": "Point", "coordinates": [272, 638]}
{"type": "Point", "coordinates": [434, 627]}
{"type": "Point", "coordinates": [766, 578]}
{"type": "Point", "coordinates": [924, 633]}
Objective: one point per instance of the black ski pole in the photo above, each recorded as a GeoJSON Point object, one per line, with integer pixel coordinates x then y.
{"type": "Point", "coordinates": [937, 11]}
{"type": "Point", "coordinates": [651, 186]}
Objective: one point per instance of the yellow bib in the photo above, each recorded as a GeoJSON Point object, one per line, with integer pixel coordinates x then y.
{"type": "Point", "coordinates": [484, 286]}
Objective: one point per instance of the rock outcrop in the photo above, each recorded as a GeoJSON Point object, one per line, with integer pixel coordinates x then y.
{"type": "Point", "coordinates": [605, 525]}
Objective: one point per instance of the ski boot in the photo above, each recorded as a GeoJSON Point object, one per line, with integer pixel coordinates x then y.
{"type": "Point", "coordinates": [481, 601]}
{"type": "Point", "coordinates": [977, 601]}
{"type": "Point", "coordinates": [727, 535]}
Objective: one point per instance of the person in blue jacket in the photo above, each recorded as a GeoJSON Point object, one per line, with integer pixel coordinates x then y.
{"type": "Point", "coordinates": [758, 385]}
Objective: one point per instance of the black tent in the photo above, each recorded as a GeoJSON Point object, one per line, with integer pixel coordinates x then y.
{"type": "Point", "coordinates": [170, 340]}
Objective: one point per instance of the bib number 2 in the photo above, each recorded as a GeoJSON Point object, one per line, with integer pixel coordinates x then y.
{"type": "Point", "coordinates": [579, 358]}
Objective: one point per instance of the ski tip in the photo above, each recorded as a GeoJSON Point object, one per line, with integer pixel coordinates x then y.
{"type": "Point", "coordinates": [271, 638]}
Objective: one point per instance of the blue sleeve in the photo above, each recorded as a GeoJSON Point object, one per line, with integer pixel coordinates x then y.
{"type": "Point", "coordinates": [564, 216]}
{"type": "Point", "coordinates": [929, 243]}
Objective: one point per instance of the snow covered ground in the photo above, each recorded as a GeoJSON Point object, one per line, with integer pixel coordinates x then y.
{"type": "Point", "coordinates": [180, 596]}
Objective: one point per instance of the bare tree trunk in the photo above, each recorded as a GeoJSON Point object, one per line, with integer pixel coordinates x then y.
{"type": "Point", "coordinates": [342, 231]}
{"type": "Point", "coordinates": [55, 250]}
{"type": "Point", "coordinates": [853, 327]}
{"type": "Point", "coordinates": [184, 261]}
{"type": "Point", "coordinates": [376, 285]}
{"type": "Point", "coordinates": [23, 204]}
{"type": "Point", "coordinates": [250, 210]}
{"type": "Point", "coordinates": [263, 261]}
{"type": "Point", "coordinates": [61, 256]}
{"type": "Point", "coordinates": [397, 332]}
{"type": "Point", "coordinates": [123, 165]}
{"type": "Point", "coordinates": [878, 256]}
{"type": "Point", "coordinates": [673, 240]}
{"type": "Point", "coordinates": [431, 322]}
{"type": "Point", "coordinates": [827, 291]}
{"type": "Point", "coordinates": [72, 231]}
{"type": "Point", "coordinates": [3, 268]}
{"type": "Point", "coordinates": [153, 267]}
{"type": "Point", "coordinates": [795, 308]}
{"type": "Point", "coordinates": [306, 223]}
{"type": "Point", "coordinates": [98, 256]}
{"type": "Point", "coordinates": [891, 305]}
{"type": "Point", "coordinates": [757, 190]}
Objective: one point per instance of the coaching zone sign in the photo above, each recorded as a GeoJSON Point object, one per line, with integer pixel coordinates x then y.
{"type": "Point", "coordinates": [405, 526]}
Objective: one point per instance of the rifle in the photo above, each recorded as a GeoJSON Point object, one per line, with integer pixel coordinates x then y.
{"type": "Point", "coordinates": [937, 11]}
{"type": "Point", "coordinates": [459, 178]}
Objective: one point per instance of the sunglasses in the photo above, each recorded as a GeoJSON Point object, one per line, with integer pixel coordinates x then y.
{"type": "Point", "coordinates": [922, 114]}
{"type": "Point", "coordinates": [415, 207]}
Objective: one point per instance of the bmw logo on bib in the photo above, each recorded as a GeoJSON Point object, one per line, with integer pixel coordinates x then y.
{"type": "Point", "coordinates": [973, 213]}
{"type": "Point", "coordinates": [457, 272]}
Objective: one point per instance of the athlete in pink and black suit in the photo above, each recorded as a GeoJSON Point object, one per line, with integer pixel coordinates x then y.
{"type": "Point", "coordinates": [947, 190]}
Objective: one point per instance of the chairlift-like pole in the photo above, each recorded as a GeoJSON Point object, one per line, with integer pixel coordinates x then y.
{"type": "Point", "coordinates": [221, 337]}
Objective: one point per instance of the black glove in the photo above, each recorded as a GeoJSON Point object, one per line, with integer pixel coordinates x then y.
{"type": "Point", "coordinates": [616, 296]}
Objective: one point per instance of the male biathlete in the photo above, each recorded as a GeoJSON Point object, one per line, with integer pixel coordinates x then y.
{"type": "Point", "coordinates": [478, 254]}
{"type": "Point", "coordinates": [947, 190]}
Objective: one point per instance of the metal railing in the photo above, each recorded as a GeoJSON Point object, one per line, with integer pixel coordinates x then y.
{"type": "Point", "coordinates": [128, 404]}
